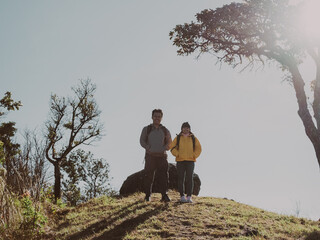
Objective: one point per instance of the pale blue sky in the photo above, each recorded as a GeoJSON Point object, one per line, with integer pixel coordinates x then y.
{"type": "Point", "coordinates": [255, 150]}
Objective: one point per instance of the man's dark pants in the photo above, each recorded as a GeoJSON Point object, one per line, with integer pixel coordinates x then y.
{"type": "Point", "coordinates": [153, 164]}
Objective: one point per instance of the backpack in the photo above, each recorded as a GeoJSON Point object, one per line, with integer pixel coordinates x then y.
{"type": "Point", "coordinates": [178, 141]}
{"type": "Point", "coordinates": [163, 128]}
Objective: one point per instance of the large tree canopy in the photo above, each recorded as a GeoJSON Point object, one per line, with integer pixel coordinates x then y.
{"type": "Point", "coordinates": [258, 31]}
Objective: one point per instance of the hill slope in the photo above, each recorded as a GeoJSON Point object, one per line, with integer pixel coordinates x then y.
{"type": "Point", "coordinates": [207, 218]}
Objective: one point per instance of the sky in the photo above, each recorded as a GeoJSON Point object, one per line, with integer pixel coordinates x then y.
{"type": "Point", "coordinates": [254, 147]}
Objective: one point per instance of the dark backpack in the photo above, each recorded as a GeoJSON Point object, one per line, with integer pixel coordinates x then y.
{"type": "Point", "coordinates": [178, 141]}
{"type": "Point", "coordinates": [163, 128]}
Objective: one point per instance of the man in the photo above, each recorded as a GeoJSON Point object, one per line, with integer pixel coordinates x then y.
{"type": "Point", "coordinates": [156, 139]}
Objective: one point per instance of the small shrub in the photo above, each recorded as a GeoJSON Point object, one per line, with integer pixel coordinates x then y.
{"type": "Point", "coordinates": [32, 219]}
{"type": "Point", "coordinates": [46, 194]}
{"type": "Point", "coordinates": [8, 210]}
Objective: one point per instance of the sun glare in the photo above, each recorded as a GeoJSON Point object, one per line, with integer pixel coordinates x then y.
{"type": "Point", "coordinates": [309, 19]}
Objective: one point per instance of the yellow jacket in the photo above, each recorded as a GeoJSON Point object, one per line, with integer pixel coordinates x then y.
{"type": "Point", "coordinates": [185, 151]}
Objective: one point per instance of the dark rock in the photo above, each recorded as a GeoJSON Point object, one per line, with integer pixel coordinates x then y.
{"type": "Point", "coordinates": [134, 183]}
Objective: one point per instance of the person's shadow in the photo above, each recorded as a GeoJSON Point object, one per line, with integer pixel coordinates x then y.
{"type": "Point", "coordinates": [119, 231]}
{"type": "Point", "coordinates": [315, 235]}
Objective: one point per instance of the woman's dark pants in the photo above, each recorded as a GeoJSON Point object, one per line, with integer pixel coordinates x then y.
{"type": "Point", "coordinates": [185, 174]}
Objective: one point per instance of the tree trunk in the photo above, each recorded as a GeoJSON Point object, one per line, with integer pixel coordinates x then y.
{"type": "Point", "coordinates": [57, 181]}
{"type": "Point", "coordinates": [303, 112]}
{"type": "Point", "coordinates": [317, 150]}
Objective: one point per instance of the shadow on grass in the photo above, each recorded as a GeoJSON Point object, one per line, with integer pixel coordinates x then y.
{"type": "Point", "coordinates": [127, 226]}
{"type": "Point", "coordinates": [313, 236]}
{"type": "Point", "coordinates": [104, 223]}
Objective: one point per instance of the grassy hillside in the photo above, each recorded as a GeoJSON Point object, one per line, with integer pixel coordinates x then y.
{"type": "Point", "coordinates": [207, 218]}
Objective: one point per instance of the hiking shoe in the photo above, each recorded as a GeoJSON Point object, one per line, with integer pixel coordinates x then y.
{"type": "Point", "coordinates": [189, 200]}
{"type": "Point", "coordinates": [165, 198]}
{"type": "Point", "coordinates": [183, 199]}
{"type": "Point", "coordinates": [147, 198]}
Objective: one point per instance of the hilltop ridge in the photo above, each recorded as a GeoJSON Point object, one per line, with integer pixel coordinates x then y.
{"type": "Point", "coordinates": [207, 218]}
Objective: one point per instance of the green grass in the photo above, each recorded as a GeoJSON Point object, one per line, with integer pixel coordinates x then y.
{"type": "Point", "coordinates": [207, 218]}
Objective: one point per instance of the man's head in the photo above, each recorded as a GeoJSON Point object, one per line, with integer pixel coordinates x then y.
{"type": "Point", "coordinates": [157, 116]}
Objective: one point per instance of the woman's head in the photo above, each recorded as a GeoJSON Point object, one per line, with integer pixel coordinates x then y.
{"type": "Point", "coordinates": [185, 128]}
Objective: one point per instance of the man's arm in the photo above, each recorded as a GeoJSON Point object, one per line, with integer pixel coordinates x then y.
{"type": "Point", "coordinates": [143, 139]}
{"type": "Point", "coordinates": [169, 140]}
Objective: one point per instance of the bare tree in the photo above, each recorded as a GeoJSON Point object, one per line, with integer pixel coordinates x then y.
{"type": "Point", "coordinates": [72, 122]}
{"type": "Point", "coordinates": [29, 166]}
{"type": "Point", "coordinates": [33, 156]}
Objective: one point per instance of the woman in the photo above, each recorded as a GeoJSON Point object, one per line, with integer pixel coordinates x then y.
{"type": "Point", "coordinates": [186, 148]}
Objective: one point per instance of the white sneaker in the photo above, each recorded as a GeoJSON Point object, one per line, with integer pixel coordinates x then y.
{"type": "Point", "coordinates": [183, 199]}
{"type": "Point", "coordinates": [189, 200]}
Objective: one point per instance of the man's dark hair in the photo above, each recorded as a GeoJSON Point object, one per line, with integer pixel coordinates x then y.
{"type": "Point", "coordinates": [157, 111]}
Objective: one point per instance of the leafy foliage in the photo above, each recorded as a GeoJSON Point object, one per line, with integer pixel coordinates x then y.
{"type": "Point", "coordinates": [96, 177]}
{"type": "Point", "coordinates": [7, 130]}
{"type": "Point", "coordinates": [8, 103]}
{"type": "Point", "coordinates": [71, 182]}
{"type": "Point", "coordinates": [9, 148]}
{"type": "Point", "coordinates": [83, 170]}
{"type": "Point", "coordinates": [32, 218]}
{"type": "Point", "coordinates": [256, 30]}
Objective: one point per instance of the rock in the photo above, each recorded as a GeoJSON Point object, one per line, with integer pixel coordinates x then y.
{"type": "Point", "coordinates": [134, 183]}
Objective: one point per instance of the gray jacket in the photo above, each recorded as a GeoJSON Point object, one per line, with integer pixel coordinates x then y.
{"type": "Point", "coordinates": [157, 141]}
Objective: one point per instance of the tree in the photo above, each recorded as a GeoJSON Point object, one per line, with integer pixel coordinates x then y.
{"type": "Point", "coordinates": [7, 132]}
{"type": "Point", "coordinates": [96, 177]}
{"type": "Point", "coordinates": [74, 170]}
{"type": "Point", "coordinates": [82, 169]}
{"type": "Point", "coordinates": [8, 149]}
{"type": "Point", "coordinates": [259, 31]}
{"type": "Point", "coordinates": [73, 122]}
